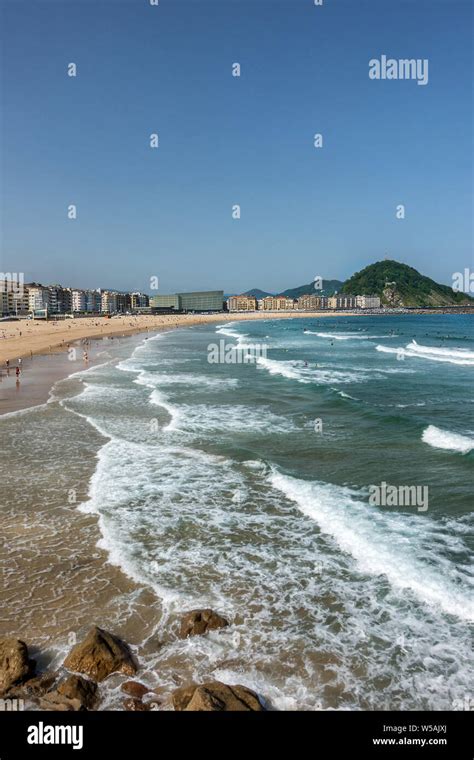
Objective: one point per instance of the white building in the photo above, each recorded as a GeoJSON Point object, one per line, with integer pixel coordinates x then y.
{"type": "Point", "coordinates": [368, 302]}
{"type": "Point", "coordinates": [78, 300]}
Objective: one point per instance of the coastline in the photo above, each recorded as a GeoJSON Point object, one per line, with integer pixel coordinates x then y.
{"type": "Point", "coordinates": [44, 346]}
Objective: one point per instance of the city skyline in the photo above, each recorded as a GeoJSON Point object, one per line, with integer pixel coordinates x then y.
{"type": "Point", "coordinates": [226, 140]}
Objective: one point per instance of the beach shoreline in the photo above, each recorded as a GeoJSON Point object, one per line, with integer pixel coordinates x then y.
{"type": "Point", "coordinates": [44, 348]}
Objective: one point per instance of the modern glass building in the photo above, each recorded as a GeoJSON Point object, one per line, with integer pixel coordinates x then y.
{"type": "Point", "coordinates": [164, 302]}
{"type": "Point", "coordinates": [206, 300]}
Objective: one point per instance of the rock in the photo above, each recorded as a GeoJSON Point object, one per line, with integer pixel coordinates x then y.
{"type": "Point", "coordinates": [100, 654]}
{"type": "Point", "coordinates": [197, 622]}
{"type": "Point", "coordinates": [34, 687]}
{"type": "Point", "coordinates": [15, 665]}
{"type": "Point", "coordinates": [215, 696]}
{"type": "Point", "coordinates": [59, 703]}
{"type": "Point", "coordinates": [76, 687]}
{"type": "Point", "coordinates": [135, 705]}
{"type": "Point", "coordinates": [182, 696]}
{"type": "Point", "coordinates": [134, 689]}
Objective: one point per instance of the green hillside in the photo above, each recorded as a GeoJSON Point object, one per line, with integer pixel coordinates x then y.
{"type": "Point", "coordinates": [329, 288]}
{"type": "Point", "coordinates": [400, 285]}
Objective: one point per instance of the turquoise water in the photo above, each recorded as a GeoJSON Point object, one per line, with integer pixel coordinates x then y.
{"type": "Point", "coordinates": [245, 487]}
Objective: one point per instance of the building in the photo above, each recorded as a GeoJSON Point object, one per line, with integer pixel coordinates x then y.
{"type": "Point", "coordinates": [167, 302]}
{"type": "Point", "coordinates": [278, 303]}
{"type": "Point", "coordinates": [207, 300]}
{"type": "Point", "coordinates": [368, 302]}
{"type": "Point", "coordinates": [93, 300]}
{"type": "Point", "coordinates": [139, 301]}
{"type": "Point", "coordinates": [108, 303]}
{"type": "Point", "coordinates": [60, 299]}
{"type": "Point", "coordinates": [39, 298]}
{"type": "Point", "coordinates": [342, 301]}
{"type": "Point", "coordinates": [242, 303]}
{"type": "Point", "coordinates": [312, 302]}
{"type": "Point", "coordinates": [13, 298]}
{"type": "Point", "coordinates": [78, 298]}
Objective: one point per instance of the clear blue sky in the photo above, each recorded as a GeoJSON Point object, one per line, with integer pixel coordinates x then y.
{"type": "Point", "coordinates": [226, 140]}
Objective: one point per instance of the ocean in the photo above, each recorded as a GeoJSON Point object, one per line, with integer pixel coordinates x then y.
{"type": "Point", "coordinates": [158, 482]}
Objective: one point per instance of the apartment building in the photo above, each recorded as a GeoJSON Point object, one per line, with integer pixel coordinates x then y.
{"type": "Point", "coordinates": [242, 303]}
{"type": "Point", "coordinates": [78, 298]}
{"type": "Point", "coordinates": [312, 302]}
{"type": "Point", "coordinates": [139, 301]}
{"type": "Point", "coordinates": [108, 303]}
{"type": "Point", "coordinates": [368, 302]}
{"type": "Point", "coordinates": [278, 303]}
{"type": "Point", "coordinates": [342, 301]}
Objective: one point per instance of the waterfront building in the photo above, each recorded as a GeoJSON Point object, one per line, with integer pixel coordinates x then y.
{"type": "Point", "coordinates": [342, 301]}
{"type": "Point", "coordinates": [207, 300]}
{"type": "Point", "coordinates": [312, 302]}
{"type": "Point", "coordinates": [368, 302]}
{"type": "Point", "coordinates": [242, 303]}
{"type": "Point", "coordinates": [165, 302]}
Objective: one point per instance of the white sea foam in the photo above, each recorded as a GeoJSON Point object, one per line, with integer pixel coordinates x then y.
{"type": "Point", "coordinates": [346, 335]}
{"type": "Point", "coordinates": [297, 370]}
{"type": "Point", "coordinates": [383, 543]}
{"type": "Point", "coordinates": [445, 439]}
{"type": "Point", "coordinates": [460, 356]}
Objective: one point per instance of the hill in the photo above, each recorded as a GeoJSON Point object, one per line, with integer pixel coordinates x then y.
{"type": "Point", "coordinates": [400, 285]}
{"type": "Point", "coordinates": [257, 293]}
{"type": "Point", "coordinates": [329, 288]}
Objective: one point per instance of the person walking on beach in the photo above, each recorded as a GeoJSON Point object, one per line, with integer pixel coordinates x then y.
{"type": "Point", "coordinates": [17, 370]}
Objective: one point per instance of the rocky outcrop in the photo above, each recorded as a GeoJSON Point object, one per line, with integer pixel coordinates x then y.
{"type": "Point", "coordinates": [75, 693]}
{"type": "Point", "coordinates": [34, 687]}
{"type": "Point", "coordinates": [215, 696]}
{"type": "Point", "coordinates": [197, 622]}
{"type": "Point", "coordinates": [100, 654]}
{"type": "Point", "coordinates": [15, 665]}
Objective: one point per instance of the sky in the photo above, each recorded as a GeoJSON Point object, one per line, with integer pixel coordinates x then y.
{"type": "Point", "coordinates": [166, 212]}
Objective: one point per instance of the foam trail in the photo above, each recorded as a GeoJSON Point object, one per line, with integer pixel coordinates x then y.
{"type": "Point", "coordinates": [445, 439]}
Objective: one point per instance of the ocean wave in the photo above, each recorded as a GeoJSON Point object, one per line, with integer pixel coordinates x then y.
{"type": "Point", "coordinates": [460, 356]}
{"type": "Point", "coordinates": [383, 543]}
{"type": "Point", "coordinates": [445, 439]}
{"type": "Point", "coordinates": [302, 373]}
{"type": "Point", "coordinates": [346, 335]}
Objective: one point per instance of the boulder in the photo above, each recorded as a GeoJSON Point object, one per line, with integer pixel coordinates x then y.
{"type": "Point", "coordinates": [215, 696]}
{"type": "Point", "coordinates": [197, 622]}
{"type": "Point", "coordinates": [34, 687]}
{"type": "Point", "coordinates": [134, 689]}
{"type": "Point", "coordinates": [100, 654]}
{"type": "Point", "coordinates": [15, 665]}
{"type": "Point", "coordinates": [76, 687]}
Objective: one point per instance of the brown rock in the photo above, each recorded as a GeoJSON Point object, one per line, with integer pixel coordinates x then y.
{"type": "Point", "coordinates": [197, 622]}
{"type": "Point", "coordinates": [215, 696]}
{"type": "Point", "coordinates": [134, 689]}
{"type": "Point", "coordinates": [15, 665]}
{"type": "Point", "coordinates": [100, 654]}
{"type": "Point", "coordinates": [59, 703]}
{"type": "Point", "coordinates": [80, 689]}
{"type": "Point", "coordinates": [34, 687]}
{"type": "Point", "coordinates": [135, 705]}
{"type": "Point", "coordinates": [182, 696]}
